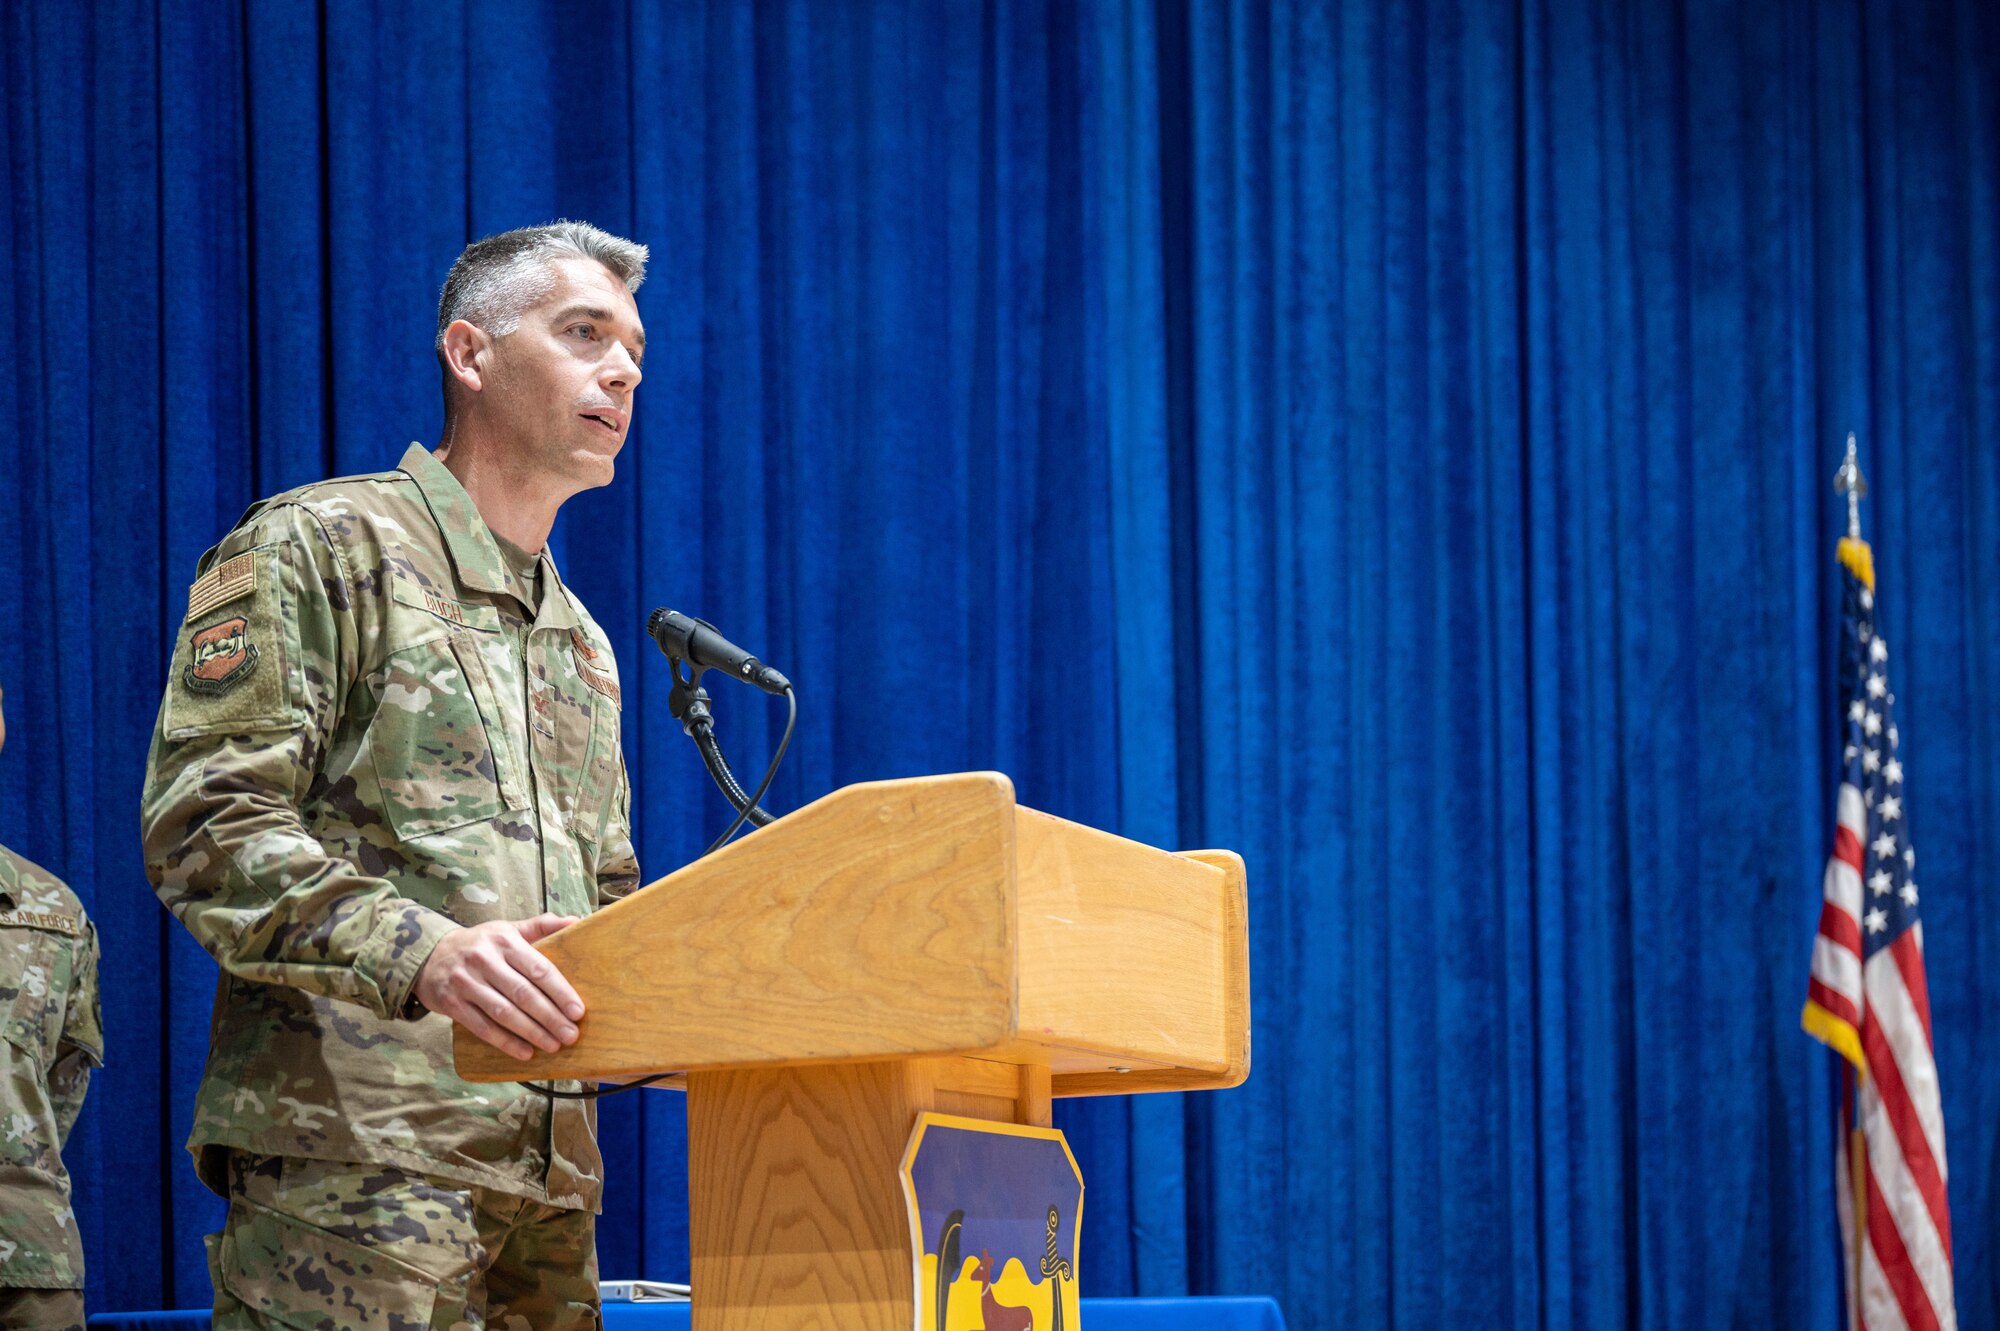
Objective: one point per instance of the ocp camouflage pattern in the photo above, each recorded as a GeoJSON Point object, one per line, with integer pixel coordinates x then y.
{"type": "Point", "coordinates": [54, 1036]}
{"type": "Point", "coordinates": [409, 749]}
{"type": "Point", "coordinates": [322, 1243]}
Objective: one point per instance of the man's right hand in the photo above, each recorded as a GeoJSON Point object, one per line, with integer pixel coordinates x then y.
{"type": "Point", "coordinates": [489, 978]}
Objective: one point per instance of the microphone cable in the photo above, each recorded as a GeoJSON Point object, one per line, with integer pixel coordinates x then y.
{"type": "Point", "coordinates": [754, 803]}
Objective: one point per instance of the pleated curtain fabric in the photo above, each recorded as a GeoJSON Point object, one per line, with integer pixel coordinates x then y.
{"type": "Point", "coordinates": [1393, 441]}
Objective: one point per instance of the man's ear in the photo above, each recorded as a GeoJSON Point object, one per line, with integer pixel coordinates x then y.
{"type": "Point", "coordinates": [468, 354]}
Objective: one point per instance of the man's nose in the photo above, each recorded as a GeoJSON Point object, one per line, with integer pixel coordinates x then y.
{"type": "Point", "coordinates": [621, 373]}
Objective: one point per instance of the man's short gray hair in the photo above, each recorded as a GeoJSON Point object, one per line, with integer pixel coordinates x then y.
{"type": "Point", "coordinates": [500, 278]}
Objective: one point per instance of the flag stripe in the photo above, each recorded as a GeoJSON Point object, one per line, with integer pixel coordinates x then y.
{"type": "Point", "coordinates": [1838, 925]}
{"type": "Point", "coordinates": [1843, 875]}
{"type": "Point", "coordinates": [1878, 1302]}
{"type": "Point", "coordinates": [1909, 1100]}
{"type": "Point", "coordinates": [1837, 967]}
{"type": "Point", "coordinates": [1837, 1004]}
{"type": "Point", "coordinates": [1898, 1123]}
{"type": "Point", "coordinates": [1852, 815]}
{"type": "Point", "coordinates": [1909, 954]}
{"type": "Point", "coordinates": [1897, 1272]}
{"type": "Point", "coordinates": [1921, 1241]}
{"type": "Point", "coordinates": [1849, 842]}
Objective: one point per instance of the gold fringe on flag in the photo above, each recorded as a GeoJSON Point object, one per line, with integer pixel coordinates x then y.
{"type": "Point", "coordinates": [1859, 559]}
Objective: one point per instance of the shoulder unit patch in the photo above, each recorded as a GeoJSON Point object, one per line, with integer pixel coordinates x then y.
{"type": "Point", "coordinates": [220, 656]}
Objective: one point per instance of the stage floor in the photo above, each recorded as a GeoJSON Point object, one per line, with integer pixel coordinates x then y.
{"type": "Point", "coordinates": [1098, 1315]}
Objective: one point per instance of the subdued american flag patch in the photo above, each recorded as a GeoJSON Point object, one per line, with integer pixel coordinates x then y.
{"type": "Point", "coordinates": [223, 584]}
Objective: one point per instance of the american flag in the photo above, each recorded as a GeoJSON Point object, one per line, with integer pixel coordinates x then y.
{"type": "Point", "coordinates": [1867, 1000]}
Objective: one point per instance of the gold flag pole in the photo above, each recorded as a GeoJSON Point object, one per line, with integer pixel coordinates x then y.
{"type": "Point", "coordinates": [1850, 482]}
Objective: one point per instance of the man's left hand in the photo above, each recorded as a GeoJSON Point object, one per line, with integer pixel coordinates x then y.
{"type": "Point", "coordinates": [489, 978]}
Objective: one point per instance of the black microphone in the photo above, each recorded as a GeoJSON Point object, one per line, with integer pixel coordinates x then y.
{"type": "Point", "coordinates": [696, 641]}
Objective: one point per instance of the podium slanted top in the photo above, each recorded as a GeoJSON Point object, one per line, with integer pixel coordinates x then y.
{"type": "Point", "coordinates": [912, 918]}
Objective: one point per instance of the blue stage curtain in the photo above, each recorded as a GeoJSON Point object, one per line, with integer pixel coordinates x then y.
{"type": "Point", "coordinates": [1390, 440]}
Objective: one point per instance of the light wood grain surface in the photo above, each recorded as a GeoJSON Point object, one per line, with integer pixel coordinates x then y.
{"type": "Point", "coordinates": [1232, 1002]}
{"type": "Point", "coordinates": [878, 921]}
{"type": "Point", "coordinates": [926, 916]}
{"type": "Point", "coordinates": [1123, 947]}
{"type": "Point", "coordinates": [797, 1219]}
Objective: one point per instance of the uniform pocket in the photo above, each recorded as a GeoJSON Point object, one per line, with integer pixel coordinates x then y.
{"type": "Point", "coordinates": [323, 1243]}
{"type": "Point", "coordinates": [436, 743]}
{"type": "Point", "coordinates": [301, 1276]}
{"type": "Point", "coordinates": [599, 776]}
{"type": "Point", "coordinates": [33, 994]}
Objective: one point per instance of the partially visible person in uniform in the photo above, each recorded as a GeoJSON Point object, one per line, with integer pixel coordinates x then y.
{"type": "Point", "coordinates": [387, 763]}
{"type": "Point", "coordinates": [53, 1038]}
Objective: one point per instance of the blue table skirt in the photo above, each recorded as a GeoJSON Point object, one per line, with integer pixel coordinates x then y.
{"type": "Point", "coordinates": [1098, 1315]}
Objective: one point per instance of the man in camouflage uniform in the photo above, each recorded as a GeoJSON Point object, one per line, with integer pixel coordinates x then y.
{"type": "Point", "coordinates": [386, 764]}
{"type": "Point", "coordinates": [51, 1041]}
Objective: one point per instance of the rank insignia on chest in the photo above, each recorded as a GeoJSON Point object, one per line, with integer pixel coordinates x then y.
{"type": "Point", "coordinates": [584, 654]}
{"type": "Point", "coordinates": [219, 656]}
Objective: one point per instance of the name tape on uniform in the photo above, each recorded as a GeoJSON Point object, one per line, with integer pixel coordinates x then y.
{"type": "Point", "coordinates": [443, 609]}
{"type": "Point", "coordinates": [39, 919]}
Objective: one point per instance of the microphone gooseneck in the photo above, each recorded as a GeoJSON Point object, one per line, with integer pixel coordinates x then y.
{"type": "Point", "coordinates": [692, 646]}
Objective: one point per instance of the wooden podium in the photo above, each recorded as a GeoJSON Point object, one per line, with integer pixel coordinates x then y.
{"type": "Point", "coordinates": [895, 947]}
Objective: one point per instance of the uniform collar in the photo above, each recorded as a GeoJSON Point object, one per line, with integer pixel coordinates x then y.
{"type": "Point", "coordinates": [557, 611]}
{"type": "Point", "coordinates": [474, 554]}
{"type": "Point", "coordinates": [466, 534]}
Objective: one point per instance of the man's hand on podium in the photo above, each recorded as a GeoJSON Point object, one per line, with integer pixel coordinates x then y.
{"type": "Point", "coordinates": [489, 978]}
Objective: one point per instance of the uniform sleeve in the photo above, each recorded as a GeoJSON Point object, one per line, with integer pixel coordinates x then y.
{"type": "Point", "coordinates": [261, 669]}
{"type": "Point", "coordinates": [82, 1045]}
{"type": "Point", "coordinates": [617, 862]}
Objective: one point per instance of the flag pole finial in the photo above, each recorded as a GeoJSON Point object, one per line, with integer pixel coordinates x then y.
{"type": "Point", "coordinates": [1850, 482]}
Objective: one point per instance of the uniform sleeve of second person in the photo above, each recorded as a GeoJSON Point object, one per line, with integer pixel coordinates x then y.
{"type": "Point", "coordinates": [82, 1044]}
{"type": "Point", "coordinates": [261, 667]}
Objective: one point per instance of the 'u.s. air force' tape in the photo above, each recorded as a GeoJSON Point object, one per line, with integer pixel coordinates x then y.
{"type": "Point", "coordinates": [38, 919]}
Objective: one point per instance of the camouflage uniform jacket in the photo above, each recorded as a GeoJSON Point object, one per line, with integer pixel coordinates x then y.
{"type": "Point", "coordinates": [53, 1038]}
{"type": "Point", "coordinates": [366, 742]}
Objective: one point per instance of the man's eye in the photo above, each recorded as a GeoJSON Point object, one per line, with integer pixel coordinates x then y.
{"type": "Point", "coordinates": [584, 330]}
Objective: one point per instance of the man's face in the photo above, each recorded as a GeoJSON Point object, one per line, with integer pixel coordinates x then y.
{"type": "Point", "coordinates": [560, 387]}
{"type": "Point", "coordinates": [3, 719]}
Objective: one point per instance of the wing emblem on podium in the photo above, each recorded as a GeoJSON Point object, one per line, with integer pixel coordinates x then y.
{"type": "Point", "coordinates": [994, 1211]}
